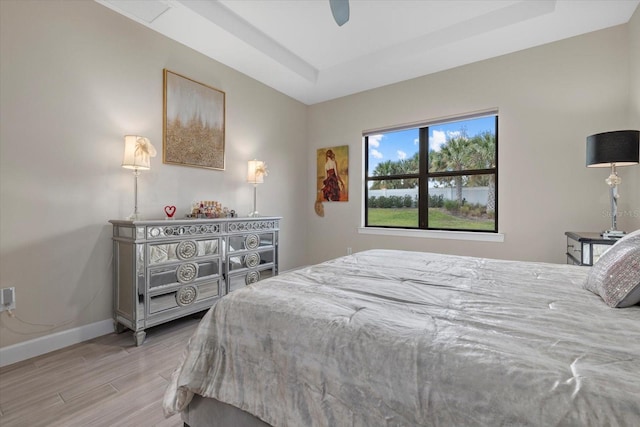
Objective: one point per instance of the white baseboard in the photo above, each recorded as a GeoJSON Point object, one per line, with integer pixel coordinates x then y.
{"type": "Point", "coordinates": [42, 345]}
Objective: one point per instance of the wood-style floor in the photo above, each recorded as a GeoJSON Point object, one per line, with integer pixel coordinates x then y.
{"type": "Point", "coordinates": [107, 381]}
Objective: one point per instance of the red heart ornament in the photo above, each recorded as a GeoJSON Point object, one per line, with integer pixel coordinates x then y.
{"type": "Point", "coordinates": [170, 211]}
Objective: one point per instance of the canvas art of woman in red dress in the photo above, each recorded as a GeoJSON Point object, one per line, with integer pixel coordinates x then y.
{"type": "Point", "coordinates": [332, 181]}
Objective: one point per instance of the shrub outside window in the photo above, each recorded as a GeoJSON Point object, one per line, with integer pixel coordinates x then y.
{"type": "Point", "coordinates": [436, 176]}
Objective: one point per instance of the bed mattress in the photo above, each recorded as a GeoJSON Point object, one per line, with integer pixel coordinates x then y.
{"type": "Point", "coordinates": [396, 338]}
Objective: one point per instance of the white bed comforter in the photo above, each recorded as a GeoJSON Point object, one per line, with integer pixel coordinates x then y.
{"type": "Point", "coordinates": [394, 338]}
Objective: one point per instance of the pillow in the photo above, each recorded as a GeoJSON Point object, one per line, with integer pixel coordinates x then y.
{"type": "Point", "coordinates": [631, 235]}
{"type": "Point", "coordinates": [616, 275]}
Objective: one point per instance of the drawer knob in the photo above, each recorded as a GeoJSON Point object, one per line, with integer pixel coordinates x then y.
{"type": "Point", "coordinates": [252, 260]}
{"type": "Point", "coordinates": [252, 277]}
{"type": "Point", "coordinates": [187, 249]}
{"type": "Point", "coordinates": [252, 241]}
{"type": "Point", "coordinates": [187, 272]}
{"type": "Point", "coordinates": [186, 295]}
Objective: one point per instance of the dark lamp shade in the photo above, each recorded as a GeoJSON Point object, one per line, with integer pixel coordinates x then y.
{"type": "Point", "coordinates": [619, 147]}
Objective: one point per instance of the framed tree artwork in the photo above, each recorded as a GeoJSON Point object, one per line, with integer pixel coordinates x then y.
{"type": "Point", "coordinates": [194, 123]}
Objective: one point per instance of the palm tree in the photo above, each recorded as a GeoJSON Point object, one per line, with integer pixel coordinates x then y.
{"type": "Point", "coordinates": [408, 166]}
{"type": "Point", "coordinates": [454, 155]}
{"type": "Point", "coordinates": [385, 168]}
{"type": "Point", "coordinates": [400, 167]}
{"type": "Point", "coordinates": [484, 157]}
{"type": "Point", "coordinates": [412, 164]}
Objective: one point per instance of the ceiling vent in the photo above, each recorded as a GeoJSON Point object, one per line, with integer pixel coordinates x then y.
{"type": "Point", "coordinates": [145, 10]}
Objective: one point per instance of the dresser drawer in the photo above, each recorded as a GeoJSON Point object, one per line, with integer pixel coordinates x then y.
{"type": "Point", "coordinates": [573, 261]}
{"type": "Point", "coordinates": [586, 253]}
{"type": "Point", "coordinates": [586, 248]}
{"type": "Point", "coordinates": [238, 281]}
{"type": "Point", "coordinates": [165, 252]}
{"type": "Point", "coordinates": [184, 296]}
{"type": "Point", "coordinates": [251, 259]}
{"type": "Point", "coordinates": [251, 241]}
{"type": "Point", "coordinates": [183, 273]}
{"type": "Point", "coordinates": [192, 229]}
{"type": "Point", "coordinates": [574, 249]}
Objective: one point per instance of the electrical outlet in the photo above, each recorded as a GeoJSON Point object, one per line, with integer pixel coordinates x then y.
{"type": "Point", "coordinates": [349, 251]}
{"type": "Point", "coordinates": [7, 299]}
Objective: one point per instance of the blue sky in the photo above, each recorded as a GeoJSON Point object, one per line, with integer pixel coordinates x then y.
{"type": "Point", "coordinates": [398, 145]}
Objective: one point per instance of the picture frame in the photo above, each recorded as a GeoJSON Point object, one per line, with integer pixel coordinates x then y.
{"type": "Point", "coordinates": [193, 123]}
{"type": "Point", "coordinates": [332, 178]}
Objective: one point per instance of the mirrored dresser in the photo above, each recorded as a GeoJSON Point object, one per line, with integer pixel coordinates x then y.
{"type": "Point", "coordinates": [584, 248]}
{"type": "Point", "coordinates": [166, 269]}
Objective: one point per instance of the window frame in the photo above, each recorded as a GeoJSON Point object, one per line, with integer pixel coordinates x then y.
{"type": "Point", "coordinates": [424, 175]}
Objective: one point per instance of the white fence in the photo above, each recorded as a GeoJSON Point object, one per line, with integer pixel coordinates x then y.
{"type": "Point", "coordinates": [470, 194]}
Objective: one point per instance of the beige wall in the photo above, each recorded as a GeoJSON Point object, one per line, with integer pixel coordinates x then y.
{"type": "Point", "coordinates": [550, 98]}
{"type": "Point", "coordinates": [76, 77]}
{"type": "Point", "coordinates": [631, 184]}
{"type": "Point", "coordinates": [634, 68]}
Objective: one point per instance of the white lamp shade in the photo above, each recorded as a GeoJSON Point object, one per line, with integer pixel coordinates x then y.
{"type": "Point", "coordinates": [137, 152]}
{"type": "Point", "coordinates": [255, 172]}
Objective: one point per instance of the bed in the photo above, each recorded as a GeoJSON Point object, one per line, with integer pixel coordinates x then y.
{"type": "Point", "coordinates": [397, 338]}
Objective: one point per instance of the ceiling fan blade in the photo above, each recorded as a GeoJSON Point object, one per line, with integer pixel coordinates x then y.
{"type": "Point", "coordinates": [340, 11]}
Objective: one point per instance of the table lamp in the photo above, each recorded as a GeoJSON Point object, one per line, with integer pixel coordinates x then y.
{"type": "Point", "coordinates": [256, 172]}
{"type": "Point", "coordinates": [137, 156]}
{"type": "Point", "coordinates": [613, 149]}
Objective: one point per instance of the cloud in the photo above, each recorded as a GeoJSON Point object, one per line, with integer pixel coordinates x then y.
{"type": "Point", "coordinates": [374, 140]}
{"type": "Point", "coordinates": [376, 154]}
{"type": "Point", "coordinates": [402, 155]}
{"type": "Point", "coordinates": [437, 140]}
{"type": "Point", "coordinates": [416, 141]}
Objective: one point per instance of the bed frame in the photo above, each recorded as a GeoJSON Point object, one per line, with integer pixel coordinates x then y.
{"type": "Point", "coordinates": [203, 411]}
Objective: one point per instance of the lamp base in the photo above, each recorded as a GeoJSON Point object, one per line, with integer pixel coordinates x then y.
{"type": "Point", "coordinates": [613, 234]}
{"type": "Point", "coordinates": [134, 217]}
{"type": "Point", "coordinates": [253, 214]}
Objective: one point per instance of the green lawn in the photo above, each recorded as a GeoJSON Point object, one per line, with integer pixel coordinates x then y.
{"type": "Point", "coordinates": [408, 217]}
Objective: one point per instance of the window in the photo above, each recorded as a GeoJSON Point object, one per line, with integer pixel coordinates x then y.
{"type": "Point", "coordinates": [438, 176]}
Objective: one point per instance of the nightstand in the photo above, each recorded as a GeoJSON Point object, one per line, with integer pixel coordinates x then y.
{"type": "Point", "coordinates": [585, 248]}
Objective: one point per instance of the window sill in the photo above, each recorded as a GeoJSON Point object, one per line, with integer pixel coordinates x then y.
{"type": "Point", "coordinates": [434, 234]}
